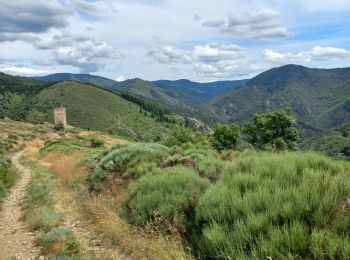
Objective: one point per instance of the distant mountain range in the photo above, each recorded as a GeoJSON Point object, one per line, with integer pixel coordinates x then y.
{"type": "Point", "coordinates": [184, 92]}
{"type": "Point", "coordinates": [320, 98]}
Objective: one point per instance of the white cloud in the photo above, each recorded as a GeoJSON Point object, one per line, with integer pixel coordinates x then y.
{"type": "Point", "coordinates": [263, 24]}
{"type": "Point", "coordinates": [120, 78]}
{"type": "Point", "coordinates": [211, 61]}
{"type": "Point", "coordinates": [169, 54]}
{"type": "Point", "coordinates": [217, 52]}
{"type": "Point", "coordinates": [87, 55]}
{"type": "Point", "coordinates": [23, 71]}
{"type": "Point", "coordinates": [317, 53]}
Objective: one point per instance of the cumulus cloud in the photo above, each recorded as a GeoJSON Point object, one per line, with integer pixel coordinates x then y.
{"type": "Point", "coordinates": [169, 54]}
{"type": "Point", "coordinates": [88, 56]}
{"type": "Point", "coordinates": [317, 53]}
{"type": "Point", "coordinates": [217, 52]}
{"type": "Point", "coordinates": [211, 52]}
{"type": "Point", "coordinates": [263, 24]}
{"type": "Point", "coordinates": [24, 71]}
{"type": "Point", "coordinates": [23, 17]}
{"type": "Point", "coordinates": [224, 70]}
{"type": "Point", "coordinates": [211, 61]}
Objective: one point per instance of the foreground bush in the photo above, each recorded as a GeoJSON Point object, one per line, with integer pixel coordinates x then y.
{"type": "Point", "coordinates": [170, 195]}
{"type": "Point", "coordinates": [124, 160]}
{"type": "Point", "coordinates": [132, 161]}
{"type": "Point", "coordinates": [289, 205]}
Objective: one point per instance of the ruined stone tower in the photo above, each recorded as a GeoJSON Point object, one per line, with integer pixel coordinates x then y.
{"type": "Point", "coordinates": [60, 116]}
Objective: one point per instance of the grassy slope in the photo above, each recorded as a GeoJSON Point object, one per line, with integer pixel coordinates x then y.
{"type": "Point", "coordinates": [97, 109]}
{"type": "Point", "coordinates": [335, 142]}
{"type": "Point", "coordinates": [318, 97]}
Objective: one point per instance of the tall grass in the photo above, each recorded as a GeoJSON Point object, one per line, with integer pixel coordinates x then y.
{"type": "Point", "coordinates": [8, 177]}
{"type": "Point", "coordinates": [41, 214]}
{"type": "Point", "coordinates": [133, 241]}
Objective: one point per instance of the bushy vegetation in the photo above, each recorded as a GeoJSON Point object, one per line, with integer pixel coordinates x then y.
{"type": "Point", "coordinates": [63, 145]}
{"type": "Point", "coordinates": [291, 205]}
{"type": "Point", "coordinates": [238, 206]}
{"type": "Point", "coordinates": [170, 195]}
{"type": "Point", "coordinates": [225, 137]}
{"type": "Point", "coordinates": [334, 142]}
{"type": "Point", "coordinates": [181, 135]}
{"type": "Point", "coordinates": [126, 161]}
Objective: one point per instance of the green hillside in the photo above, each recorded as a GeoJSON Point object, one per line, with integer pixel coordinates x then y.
{"type": "Point", "coordinates": [319, 97]}
{"type": "Point", "coordinates": [96, 109]}
{"type": "Point", "coordinates": [334, 142]}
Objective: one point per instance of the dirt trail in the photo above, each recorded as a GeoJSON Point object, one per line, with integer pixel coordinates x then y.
{"type": "Point", "coordinates": [16, 242]}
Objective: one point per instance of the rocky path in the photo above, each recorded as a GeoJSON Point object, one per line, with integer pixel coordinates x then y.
{"type": "Point", "coordinates": [16, 242]}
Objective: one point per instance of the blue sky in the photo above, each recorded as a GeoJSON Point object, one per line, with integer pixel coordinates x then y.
{"type": "Point", "coordinates": [201, 40]}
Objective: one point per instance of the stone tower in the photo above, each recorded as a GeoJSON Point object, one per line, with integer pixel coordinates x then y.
{"type": "Point", "coordinates": [60, 116]}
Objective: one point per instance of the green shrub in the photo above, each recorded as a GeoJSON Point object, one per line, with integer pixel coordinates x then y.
{"type": "Point", "coordinates": [63, 145]}
{"type": "Point", "coordinates": [94, 143]}
{"type": "Point", "coordinates": [40, 211]}
{"type": "Point", "coordinates": [59, 242]}
{"type": "Point", "coordinates": [170, 195]}
{"type": "Point", "coordinates": [283, 206]}
{"type": "Point", "coordinates": [181, 135]}
{"type": "Point", "coordinates": [125, 160]}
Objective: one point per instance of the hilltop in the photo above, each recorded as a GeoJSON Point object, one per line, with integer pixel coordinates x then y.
{"type": "Point", "coordinates": [88, 107]}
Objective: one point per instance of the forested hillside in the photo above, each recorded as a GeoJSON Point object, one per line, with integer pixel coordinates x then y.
{"type": "Point", "coordinates": [319, 97]}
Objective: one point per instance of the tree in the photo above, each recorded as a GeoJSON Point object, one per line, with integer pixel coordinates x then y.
{"type": "Point", "coordinates": [178, 136]}
{"type": "Point", "coordinates": [273, 130]}
{"type": "Point", "coordinates": [225, 136]}
{"type": "Point", "coordinates": [181, 135]}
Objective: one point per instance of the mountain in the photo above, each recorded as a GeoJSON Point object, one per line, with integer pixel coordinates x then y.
{"type": "Point", "coordinates": [320, 98]}
{"type": "Point", "coordinates": [180, 94]}
{"type": "Point", "coordinates": [86, 78]}
{"type": "Point", "coordinates": [333, 142]}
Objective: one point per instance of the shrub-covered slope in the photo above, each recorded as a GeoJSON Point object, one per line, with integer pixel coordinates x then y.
{"type": "Point", "coordinates": [334, 142]}
{"type": "Point", "coordinates": [259, 205]}
{"type": "Point", "coordinates": [96, 109]}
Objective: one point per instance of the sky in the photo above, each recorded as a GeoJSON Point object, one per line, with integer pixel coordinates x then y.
{"type": "Point", "coordinates": [200, 40]}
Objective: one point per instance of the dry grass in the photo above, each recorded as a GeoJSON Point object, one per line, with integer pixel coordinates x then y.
{"type": "Point", "coordinates": [138, 245]}
{"type": "Point", "coordinates": [65, 167]}
{"type": "Point", "coordinates": [107, 139]}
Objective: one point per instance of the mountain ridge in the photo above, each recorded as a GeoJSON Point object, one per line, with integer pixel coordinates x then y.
{"type": "Point", "coordinates": [319, 97]}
